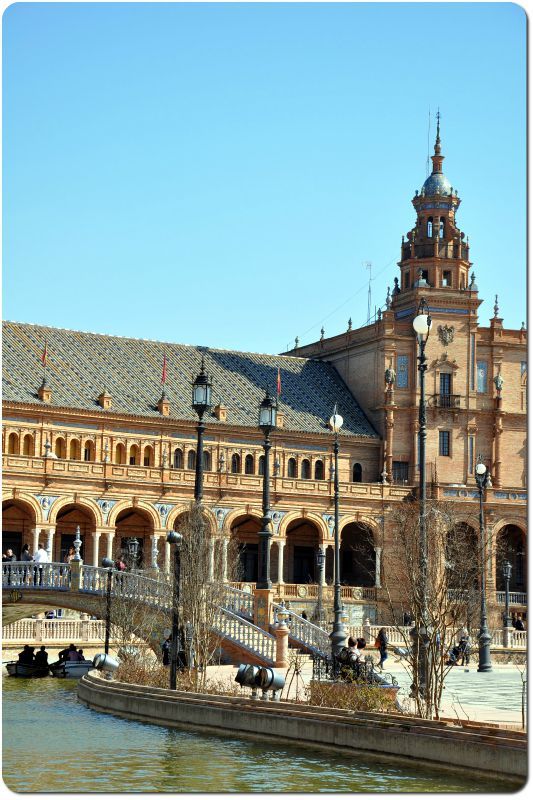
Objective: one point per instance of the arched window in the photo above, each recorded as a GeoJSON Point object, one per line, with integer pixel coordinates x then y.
{"type": "Point", "coordinates": [261, 465]}
{"type": "Point", "coordinates": [235, 463]}
{"type": "Point", "coordinates": [305, 469]}
{"type": "Point", "coordinates": [27, 445]}
{"type": "Point", "coordinates": [430, 227]}
{"type": "Point", "coordinates": [13, 444]}
{"type": "Point", "coordinates": [120, 454]}
{"type": "Point", "coordinates": [88, 451]}
{"type": "Point", "coordinates": [74, 450]}
{"type": "Point", "coordinates": [291, 468]}
{"type": "Point", "coordinates": [178, 458]}
{"type": "Point", "coordinates": [148, 459]}
{"type": "Point", "coordinates": [191, 459]}
{"type": "Point", "coordinates": [441, 228]}
{"type": "Point", "coordinates": [207, 460]}
{"type": "Point", "coordinates": [59, 447]}
{"type": "Point", "coordinates": [319, 470]}
{"type": "Point", "coordinates": [249, 465]}
{"type": "Point", "coordinates": [134, 455]}
{"type": "Point", "coordinates": [357, 473]}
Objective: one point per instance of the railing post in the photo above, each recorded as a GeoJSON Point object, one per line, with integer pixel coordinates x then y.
{"type": "Point", "coordinates": [38, 630]}
{"type": "Point", "coordinates": [263, 608]}
{"type": "Point", "coordinates": [75, 575]}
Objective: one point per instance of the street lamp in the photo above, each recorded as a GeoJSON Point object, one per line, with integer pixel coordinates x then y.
{"type": "Point", "coordinates": [267, 422]}
{"type": "Point", "coordinates": [132, 547]}
{"type": "Point", "coordinates": [422, 327]}
{"type": "Point", "coordinates": [506, 572]}
{"type": "Point", "coordinates": [201, 402]}
{"type": "Point", "coordinates": [320, 562]}
{"type": "Point", "coordinates": [338, 634]}
{"type": "Point", "coordinates": [482, 478]}
{"type": "Point", "coordinates": [173, 537]}
{"type": "Point", "coordinates": [108, 564]}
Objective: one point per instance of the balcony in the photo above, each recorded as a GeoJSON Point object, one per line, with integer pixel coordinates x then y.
{"type": "Point", "coordinates": [446, 401]}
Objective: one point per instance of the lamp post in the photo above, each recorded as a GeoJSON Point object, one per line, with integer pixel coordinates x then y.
{"type": "Point", "coordinates": [482, 479]}
{"type": "Point", "coordinates": [267, 422]}
{"type": "Point", "coordinates": [506, 571]}
{"type": "Point", "coordinates": [108, 564]}
{"type": "Point", "coordinates": [173, 537]}
{"type": "Point", "coordinates": [132, 546]}
{"type": "Point", "coordinates": [201, 402]}
{"type": "Point", "coordinates": [422, 327]}
{"type": "Point", "coordinates": [338, 634]}
{"type": "Point", "coordinates": [320, 562]}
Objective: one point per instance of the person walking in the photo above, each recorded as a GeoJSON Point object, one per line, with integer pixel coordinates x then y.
{"type": "Point", "coordinates": [381, 643]}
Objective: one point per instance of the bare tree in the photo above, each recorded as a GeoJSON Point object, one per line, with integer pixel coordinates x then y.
{"type": "Point", "coordinates": [451, 598]}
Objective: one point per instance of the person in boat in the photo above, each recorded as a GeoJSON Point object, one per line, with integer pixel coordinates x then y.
{"type": "Point", "coordinates": [41, 657]}
{"type": "Point", "coordinates": [80, 655]}
{"type": "Point", "coordinates": [26, 655]}
{"type": "Point", "coordinates": [64, 655]}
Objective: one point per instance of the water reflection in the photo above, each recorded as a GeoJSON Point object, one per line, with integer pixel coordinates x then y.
{"type": "Point", "coordinates": [66, 747]}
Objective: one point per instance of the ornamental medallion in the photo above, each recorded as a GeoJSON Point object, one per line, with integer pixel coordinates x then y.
{"type": "Point", "coordinates": [446, 333]}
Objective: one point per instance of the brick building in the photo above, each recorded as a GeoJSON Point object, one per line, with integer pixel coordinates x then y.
{"type": "Point", "coordinates": [97, 444]}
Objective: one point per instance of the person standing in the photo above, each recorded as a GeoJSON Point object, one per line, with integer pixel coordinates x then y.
{"type": "Point", "coordinates": [382, 642]}
{"type": "Point", "coordinates": [70, 555]}
{"type": "Point", "coordinates": [9, 556]}
{"type": "Point", "coordinates": [40, 557]}
{"type": "Point", "coordinates": [25, 557]}
{"type": "Point", "coordinates": [165, 647]}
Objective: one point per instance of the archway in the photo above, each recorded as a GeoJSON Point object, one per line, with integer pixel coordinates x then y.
{"type": "Point", "coordinates": [68, 518]}
{"type": "Point", "coordinates": [511, 546]}
{"type": "Point", "coordinates": [134, 523]}
{"type": "Point", "coordinates": [357, 555]}
{"type": "Point", "coordinates": [245, 529]}
{"type": "Point", "coordinates": [302, 537]}
{"type": "Point", "coordinates": [18, 521]}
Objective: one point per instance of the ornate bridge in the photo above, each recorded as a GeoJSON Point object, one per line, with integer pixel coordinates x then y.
{"type": "Point", "coordinates": [82, 588]}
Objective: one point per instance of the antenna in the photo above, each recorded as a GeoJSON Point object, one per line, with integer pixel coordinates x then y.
{"type": "Point", "coordinates": [429, 129]}
{"type": "Point", "coordinates": [368, 265]}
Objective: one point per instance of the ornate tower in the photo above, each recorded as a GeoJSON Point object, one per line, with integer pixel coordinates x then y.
{"type": "Point", "coordinates": [435, 253]}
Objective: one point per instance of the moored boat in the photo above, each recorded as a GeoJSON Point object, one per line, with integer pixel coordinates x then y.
{"type": "Point", "coordinates": [70, 669]}
{"type": "Point", "coordinates": [17, 670]}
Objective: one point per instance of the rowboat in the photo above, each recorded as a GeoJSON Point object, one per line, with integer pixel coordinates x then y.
{"type": "Point", "coordinates": [17, 670]}
{"type": "Point", "coordinates": [70, 669]}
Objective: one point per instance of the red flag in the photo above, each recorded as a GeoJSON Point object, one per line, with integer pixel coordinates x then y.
{"type": "Point", "coordinates": [45, 354]}
{"type": "Point", "coordinates": [164, 373]}
{"type": "Point", "coordinates": [279, 382]}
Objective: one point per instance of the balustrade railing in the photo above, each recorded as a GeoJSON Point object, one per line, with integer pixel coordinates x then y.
{"type": "Point", "coordinates": [515, 598]}
{"type": "Point", "coordinates": [235, 628]}
{"type": "Point", "coordinates": [128, 586]}
{"type": "Point", "coordinates": [27, 574]}
{"type": "Point", "coordinates": [305, 632]}
{"type": "Point", "coordinates": [54, 630]}
{"type": "Point", "coordinates": [238, 601]}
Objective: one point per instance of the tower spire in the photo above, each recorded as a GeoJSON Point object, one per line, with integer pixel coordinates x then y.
{"type": "Point", "coordinates": [437, 158]}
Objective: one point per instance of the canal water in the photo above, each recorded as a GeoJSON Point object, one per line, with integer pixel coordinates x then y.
{"type": "Point", "coordinates": [52, 743]}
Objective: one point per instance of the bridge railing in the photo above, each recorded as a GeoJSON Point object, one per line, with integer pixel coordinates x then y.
{"type": "Point", "coordinates": [27, 574]}
{"type": "Point", "coordinates": [128, 586]}
{"type": "Point", "coordinates": [247, 635]}
{"type": "Point", "coordinates": [305, 632]}
{"type": "Point", "coordinates": [238, 601]}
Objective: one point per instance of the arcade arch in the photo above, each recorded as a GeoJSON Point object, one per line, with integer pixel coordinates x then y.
{"type": "Point", "coordinates": [357, 555]}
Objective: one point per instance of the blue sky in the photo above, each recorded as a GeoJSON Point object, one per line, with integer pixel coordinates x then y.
{"type": "Point", "coordinates": [218, 174]}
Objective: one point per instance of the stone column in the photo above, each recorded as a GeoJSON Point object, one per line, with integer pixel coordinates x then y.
{"type": "Point", "coordinates": [110, 538]}
{"type": "Point", "coordinates": [154, 551]}
{"type": "Point", "coordinates": [211, 566]}
{"type": "Point", "coordinates": [167, 557]}
{"type": "Point", "coordinates": [281, 548]}
{"type": "Point", "coordinates": [35, 539]}
{"type": "Point", "coordinates": [377, 582]}
{"type": "Point", "coordinates": [224, 559]}
{"type": "Point", "coordinates": [50, 542]}
{"type": "Point", "coordinates": [96, 543]}
{"type": "Point", "coordinates": [498, 430]}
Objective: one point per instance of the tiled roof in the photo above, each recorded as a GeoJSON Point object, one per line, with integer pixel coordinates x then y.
{"type": "Point", "coordinates": [80, 365]}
